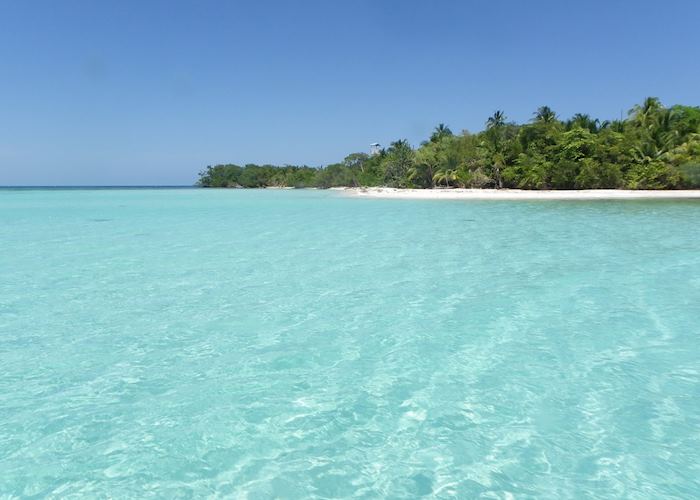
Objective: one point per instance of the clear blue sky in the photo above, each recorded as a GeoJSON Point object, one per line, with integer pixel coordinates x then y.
{"type": "Point", "coordinates": [150, 92]}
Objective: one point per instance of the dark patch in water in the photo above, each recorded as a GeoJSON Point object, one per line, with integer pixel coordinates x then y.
{"type": "Point", "coordinates": [101, 220]}
{"type": "Point", "coordinates": [422, 484]}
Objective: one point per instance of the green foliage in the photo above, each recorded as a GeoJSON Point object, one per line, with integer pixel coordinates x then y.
{"type": "Point", "coordinates": [544, 114]}
{"type": "Point", "coordinates": [440, 132]}
{"type": "Point", "coordinates": [220, 176]}
{"type": "Point", "coordinates": [257, 176]}
{"type": "Point", "coordinates": [691, 174]}
{"type": "Point", "coordinates": [585, 122]}
{"type": "Point", "coordinates": [398, 164]}
{"type": "Point", "coordinates": [335, 175]}
{"type": "Point", "coordinates": [655, 147]}
{"type": "Point", "coordinates": [433, 160]}
{"type": "Point", "coordinates": [530, 171]}
{"type": "Point", "coordinates": [596, 175]}
{"type": "Point", "coordinates": [653, 175]}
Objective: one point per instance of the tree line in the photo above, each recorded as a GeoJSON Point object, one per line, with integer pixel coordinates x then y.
{"type": "Point", "coordinates": [655, 147]}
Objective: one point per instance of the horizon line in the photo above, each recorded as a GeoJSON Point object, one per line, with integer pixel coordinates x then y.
{"type": "Point", "coordinates": [16, 186]}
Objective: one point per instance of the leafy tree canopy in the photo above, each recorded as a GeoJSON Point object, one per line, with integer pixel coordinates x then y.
{"type": "Point", "coordinates": [655, 147]}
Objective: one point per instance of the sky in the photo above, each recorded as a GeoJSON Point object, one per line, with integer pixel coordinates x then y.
{"type": "Point", "coordinates": [149, 93]}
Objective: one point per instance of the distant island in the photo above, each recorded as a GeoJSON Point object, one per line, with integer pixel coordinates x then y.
{"type": "Point", "coordinates": [655, 147]}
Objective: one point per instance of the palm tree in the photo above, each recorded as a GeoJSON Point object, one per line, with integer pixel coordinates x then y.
{"type": "Point", "coordinates": [497, 120]}
{"type": "Point", "coordinates": [643, 114]}
{"type": "Point", "coordinates": [584, 121]}
{"type": "Point", "coordinates": [440, 132]}
{"type": "Point", "coordinates": [646, 152]}
{"type": "Point", "coordinates": [497, 164]}
{"type": "Point", "coordinates": [544, 114]}
{"type": "Point", "coordinates": [616, 125]}
{"type": "Point", "coordinates": [445, 175]}
{"type": "Point", "coordinates": [494, 129]}
{"type": "Point", "coordinates": [400, 144]}
{"type": "Point", "coordinates": [414, 173]}
{"type": "Point", "coordinates": [398, 160]}
{"type": "Point", "coordinates": [663, 131]}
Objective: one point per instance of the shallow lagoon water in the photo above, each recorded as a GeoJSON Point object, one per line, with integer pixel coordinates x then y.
{"type": "Point", "coordinates": [292, 344]}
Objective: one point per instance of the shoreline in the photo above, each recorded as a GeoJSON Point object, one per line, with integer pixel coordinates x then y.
{"type": "Point", "coordinates": [519, 194]}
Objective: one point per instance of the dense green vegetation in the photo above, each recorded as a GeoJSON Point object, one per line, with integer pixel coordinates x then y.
{"type": "Point", "coordinates": [654, 148]}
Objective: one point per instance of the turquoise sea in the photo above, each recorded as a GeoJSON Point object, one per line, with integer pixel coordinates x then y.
{"type": "Point", "coordinates": [185, 343]}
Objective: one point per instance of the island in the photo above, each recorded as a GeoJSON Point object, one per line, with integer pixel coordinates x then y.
{"type": "Point", "coordinates": [654, 148]}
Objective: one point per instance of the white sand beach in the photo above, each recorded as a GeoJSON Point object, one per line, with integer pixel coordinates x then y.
{"type": "Point", "coordinates": [518, 194]}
